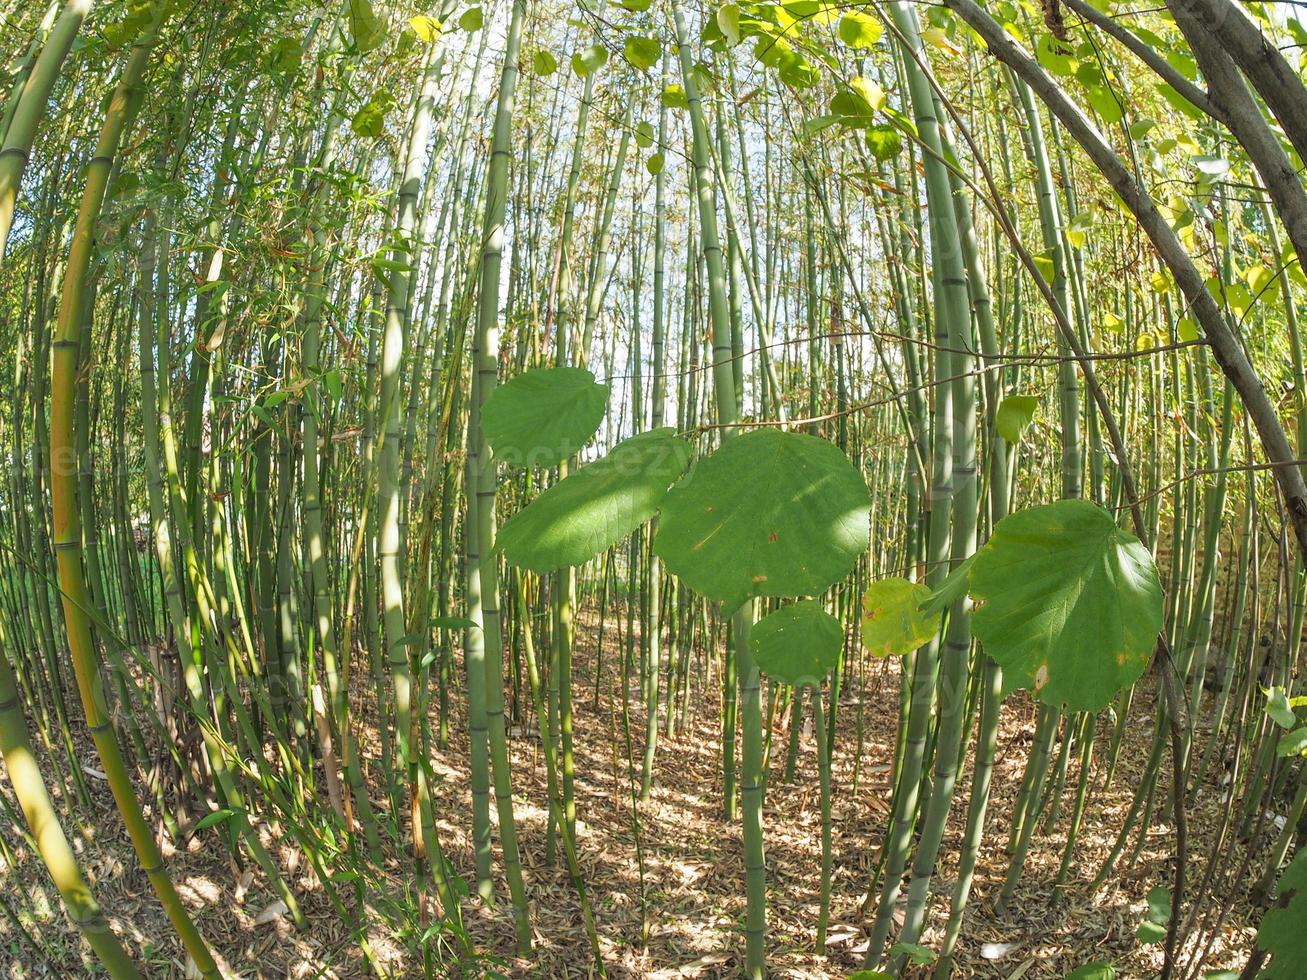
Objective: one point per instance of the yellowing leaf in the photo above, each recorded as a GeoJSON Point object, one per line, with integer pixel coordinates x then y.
{"type": "Point", "coordinates": [892, 621]}
{"type": "Point", "coordinates": [426, 28]}
{"type": "Point", "coordinates": [859, 31]}
{"type": "Point", "coordinates": [1258, 278]}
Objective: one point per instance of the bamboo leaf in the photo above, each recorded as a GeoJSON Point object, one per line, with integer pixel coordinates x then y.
{"type": "Point", "coordinates": [216, 817]}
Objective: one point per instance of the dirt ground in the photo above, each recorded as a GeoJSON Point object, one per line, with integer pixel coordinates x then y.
{"type": "Point", "coordinates": [691, 888]}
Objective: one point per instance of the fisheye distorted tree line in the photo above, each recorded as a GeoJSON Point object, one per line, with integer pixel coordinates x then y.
{"type": "Point", "coordinates": [638, 488]}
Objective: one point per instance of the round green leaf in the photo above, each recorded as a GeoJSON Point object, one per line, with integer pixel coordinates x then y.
{"type": "Point", "coordinates": [642, 52]}
{"type": "Point", "coordinates": [543, 416]}
{"type": "Point", "coordinates": [860, 31]}
{"type": "Point", "coordinates": [893, 623]}
{"type": "Point", "coordinates": [644, 135]}
{"type": "Point", "coordinates": [1293, 743]}
{"type": "Point", "coordinates": [543, 63]}
{"type": "Point", "coordinates": [728, 22]}
{"type": "Point", "coordinates": [1279, 708]}
{"type": "Point", "coordinates": [884, 141]}
{"type": "Point", "coordinates": [589, 60]}
{"type": "Point", "coordinates": [1014, 414]}
{"type": "Point", "coordinates": [370, 119]}
{"type": "Point", "coordinates": [798, 644]}
{"type": "Point", "coordinates": [472, 19]}
{"type": "Point", "coordinates": [770, 513]}
{"type": "Point", "coordinates": [1069, 605]}
{"type": "Point", "coordinates": [655, 163]}
{"type": "Point", "coordinates": [674, 97]}
{"type": "Point", "coordinates": [365, 28]}
{"type": "Point", "coordinates": [597, 505]}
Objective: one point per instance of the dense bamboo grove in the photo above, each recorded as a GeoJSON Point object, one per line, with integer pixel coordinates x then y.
{"type": "Point", "coordinates": [448, 447]}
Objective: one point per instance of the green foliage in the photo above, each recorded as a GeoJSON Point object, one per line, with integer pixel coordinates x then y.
{"type": "Point", "coordinates": [1153, 928]}
{"type": "Point", "coordinates": [215, 817]}
{"type": "Point", "coordinates": [369, 121]}
{"type": "Point", "coordinates": [589, 60]}
{"type": "Point", "coordinates": [655, 163]}
{"type": "Point", "coordinates": [644, 135]}
{"type": "Point", "coordinates": [1283, 932]}
{"type": "Point", "coordinates": [893, 623]}
{"type": "Point", "coordinates": [917, 955]}
{"type": "Point", "coordinates": [1293, 743]}
{"type": "Point", "coordinates": [860, 31]}
{"type": "Point", "coordinates": [543, 416]}
{"type": "Point", "coordinates": [597, 505]}
{"type": "Point", "coordinates": [472, 19]}
{"type": "Point", "coordinates": [123, 32]}
{"type": "Point", "coordinates": [1097, 970]}
{"type": "Point", "coordinates": [642, 52]}
{"type": "Point", "coordinates": [728, 22]}
{"type": "Point", "coordinates": [1279, 709]}
{"type": "Point", "coordinates": [798, 644]}
{"type": "Point", "coordinates": [543, 63]}
{"type": "Point", "coordinates": [770, 513]}
{"type": "Point", "coordinates": [366, 29]}
{"type": "Point", "coordinates": [674, 97]}
{"type": "Point", "coordinates": [884, 141]}
{"type": "Point", "coordinates": [1071, 604]}
{"type": "Point", "coordinates": [285, 56]}
{"type": "Point", "coordinates": [1015, 412]}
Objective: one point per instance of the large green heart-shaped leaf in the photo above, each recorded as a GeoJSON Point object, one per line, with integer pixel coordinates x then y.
{"type": "Point", "coordinates": [798, 644]}
{"type": "Point", "coordinates": [770, 513]}
{"type": "Point", "coordinates": [542, 417]}
{"type": "Point", "coordinates": [1070, 605]}
{"type": "Point", "coordinates": [597, 505]}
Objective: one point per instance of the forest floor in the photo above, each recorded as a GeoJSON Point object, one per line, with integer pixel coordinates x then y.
{"type": "Point", "coordinates": [693, 872]}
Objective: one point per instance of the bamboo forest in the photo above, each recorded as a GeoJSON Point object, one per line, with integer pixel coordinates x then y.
{"type": "Point", "coordinates": [653, 489]}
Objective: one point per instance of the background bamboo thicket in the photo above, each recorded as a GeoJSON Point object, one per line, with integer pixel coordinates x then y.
{"type": "Point", "coordinates": [276, 698]}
